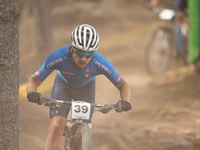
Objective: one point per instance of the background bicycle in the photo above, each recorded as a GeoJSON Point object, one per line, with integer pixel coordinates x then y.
{"type": "Point", "coordinates": [77, 132]}
{"type": "Point", "coordinates": [165, 41]}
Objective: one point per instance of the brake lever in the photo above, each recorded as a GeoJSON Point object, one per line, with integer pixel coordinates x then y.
{"type": "Point", "coordinates": [104, 110]}
{"type": "Point", "coordinates": [107, 108]}
{"type": "Point", "coordinates": [111, 106]}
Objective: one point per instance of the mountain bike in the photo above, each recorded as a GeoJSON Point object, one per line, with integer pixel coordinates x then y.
{"type": "Point", "coordinates": [165, 41]}
{"type": "Point", "coordinates": [77, 132]}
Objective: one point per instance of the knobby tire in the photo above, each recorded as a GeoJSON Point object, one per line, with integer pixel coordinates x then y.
{"type": "Point", "coordinates": [158, 50]}
{"type": "Point", "coordinates": [83, 139]}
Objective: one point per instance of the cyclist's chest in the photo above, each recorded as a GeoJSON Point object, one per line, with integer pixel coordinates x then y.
{"type": "Point", "coordinates": [69, 70]}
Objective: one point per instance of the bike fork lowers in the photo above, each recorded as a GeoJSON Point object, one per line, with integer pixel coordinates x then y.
{"type": "Point", "coordinates": [68, 136]}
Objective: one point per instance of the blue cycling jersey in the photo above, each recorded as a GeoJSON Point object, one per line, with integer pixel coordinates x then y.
{"type": "Point", "coordinates": [75, 77]}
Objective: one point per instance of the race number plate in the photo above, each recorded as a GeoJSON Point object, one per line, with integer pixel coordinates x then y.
{"type": "Point", "coordinates": [80, 110]}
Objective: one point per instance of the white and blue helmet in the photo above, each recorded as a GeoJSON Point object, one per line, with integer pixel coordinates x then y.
{"type": "Point", "coordinates": [85, 37]}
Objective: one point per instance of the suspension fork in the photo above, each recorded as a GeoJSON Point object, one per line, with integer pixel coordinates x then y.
{"type": "Point", "coordinates": [68, 139]}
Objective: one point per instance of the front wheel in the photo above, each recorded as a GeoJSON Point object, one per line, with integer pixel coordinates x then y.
{"type": "Point", "coordinates": [83, 139]}
{"type": "Point", "coordinates": [158, 50]}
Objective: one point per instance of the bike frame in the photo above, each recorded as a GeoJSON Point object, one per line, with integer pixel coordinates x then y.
{"type": "Point", "coordinates": [77, 126]}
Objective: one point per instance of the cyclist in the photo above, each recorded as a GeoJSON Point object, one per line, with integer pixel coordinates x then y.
{"type": "Point", "coordinates": [77, 65]}
{"type": "Point", "coordinates": [179, 6]}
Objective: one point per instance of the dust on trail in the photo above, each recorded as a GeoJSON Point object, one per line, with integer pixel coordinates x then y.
{"type": "Point", "coordinates": [164, 115]}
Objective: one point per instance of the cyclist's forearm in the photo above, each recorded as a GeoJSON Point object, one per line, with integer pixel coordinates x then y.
{"type": "Point", "coordinates": [125, 92]}
{"type": "Point", "coordinates": [32, 84]}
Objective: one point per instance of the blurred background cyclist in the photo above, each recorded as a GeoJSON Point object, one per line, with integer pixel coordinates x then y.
{"type": "Point", "coordinates": [180, 6]}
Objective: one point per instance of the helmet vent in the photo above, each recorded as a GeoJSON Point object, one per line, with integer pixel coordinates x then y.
{"type": "Point", "coordinates": [85, 38]}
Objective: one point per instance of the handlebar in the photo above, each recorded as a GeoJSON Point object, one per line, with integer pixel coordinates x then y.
{"type": "Point", "coordinates": [53, 104]}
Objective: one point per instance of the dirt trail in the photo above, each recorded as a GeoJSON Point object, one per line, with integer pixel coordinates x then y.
{"type": "Point", "coordinates": [165, 111]}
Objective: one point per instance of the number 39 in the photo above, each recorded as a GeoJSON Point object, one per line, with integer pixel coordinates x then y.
{"type": "Point", "coordinates": [83, 109]}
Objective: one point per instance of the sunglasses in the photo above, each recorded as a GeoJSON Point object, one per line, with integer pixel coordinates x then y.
{"type": "Point", "coordinates": [80, 53]}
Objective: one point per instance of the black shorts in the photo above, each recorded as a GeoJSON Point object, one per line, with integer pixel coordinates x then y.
{"type": "Point", "coordinates": [62, 91]}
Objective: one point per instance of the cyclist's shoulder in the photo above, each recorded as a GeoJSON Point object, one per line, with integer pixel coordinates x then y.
{"type": "Point", "coordinates": [58, 55]}
{"type": "Point", "coordinates": [99, 57]}
{"type": "Point", "coordinates": [101, 61]}
{"type": "Point", "coordinates": [62, 50]}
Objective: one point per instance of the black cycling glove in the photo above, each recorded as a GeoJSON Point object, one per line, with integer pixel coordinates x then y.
{"type": "Point", "coordinates": [35, 97]}
{"type": "Point", "coordinates": [123, 105]}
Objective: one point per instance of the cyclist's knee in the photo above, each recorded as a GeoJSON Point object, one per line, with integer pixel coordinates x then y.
{"type": "Point", "coordinates": [56, 126]}
{"type": "Point", "coordinates": [55, 129]}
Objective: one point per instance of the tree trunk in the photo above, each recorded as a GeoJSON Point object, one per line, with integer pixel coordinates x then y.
{"type": "Point", "coordinates": [43, 26]}
{"type": "Point", "coordinates": [9, 75]}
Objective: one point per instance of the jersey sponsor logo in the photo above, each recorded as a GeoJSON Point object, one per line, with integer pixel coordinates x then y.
{"type": "Point", "coordinates": [56, 61]}
{"type": "Point", "coordinates": [68, 73]}
{"type": "Point", "coordinates": [87, 70]}
{"type": "Point", "coordinates": [119, 79]}
{"type": "Point", "coordinates": [100, 65]}
{"type": "Point", "coordinates": [37, 73]}
{"type": "Point", "coordinates": [87, 75]}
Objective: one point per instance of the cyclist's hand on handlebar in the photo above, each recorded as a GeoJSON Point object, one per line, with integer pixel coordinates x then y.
{"type": "Point", "coordinates": [123, 105]}
{"type": "Point", "coordinates": [35, 97]}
